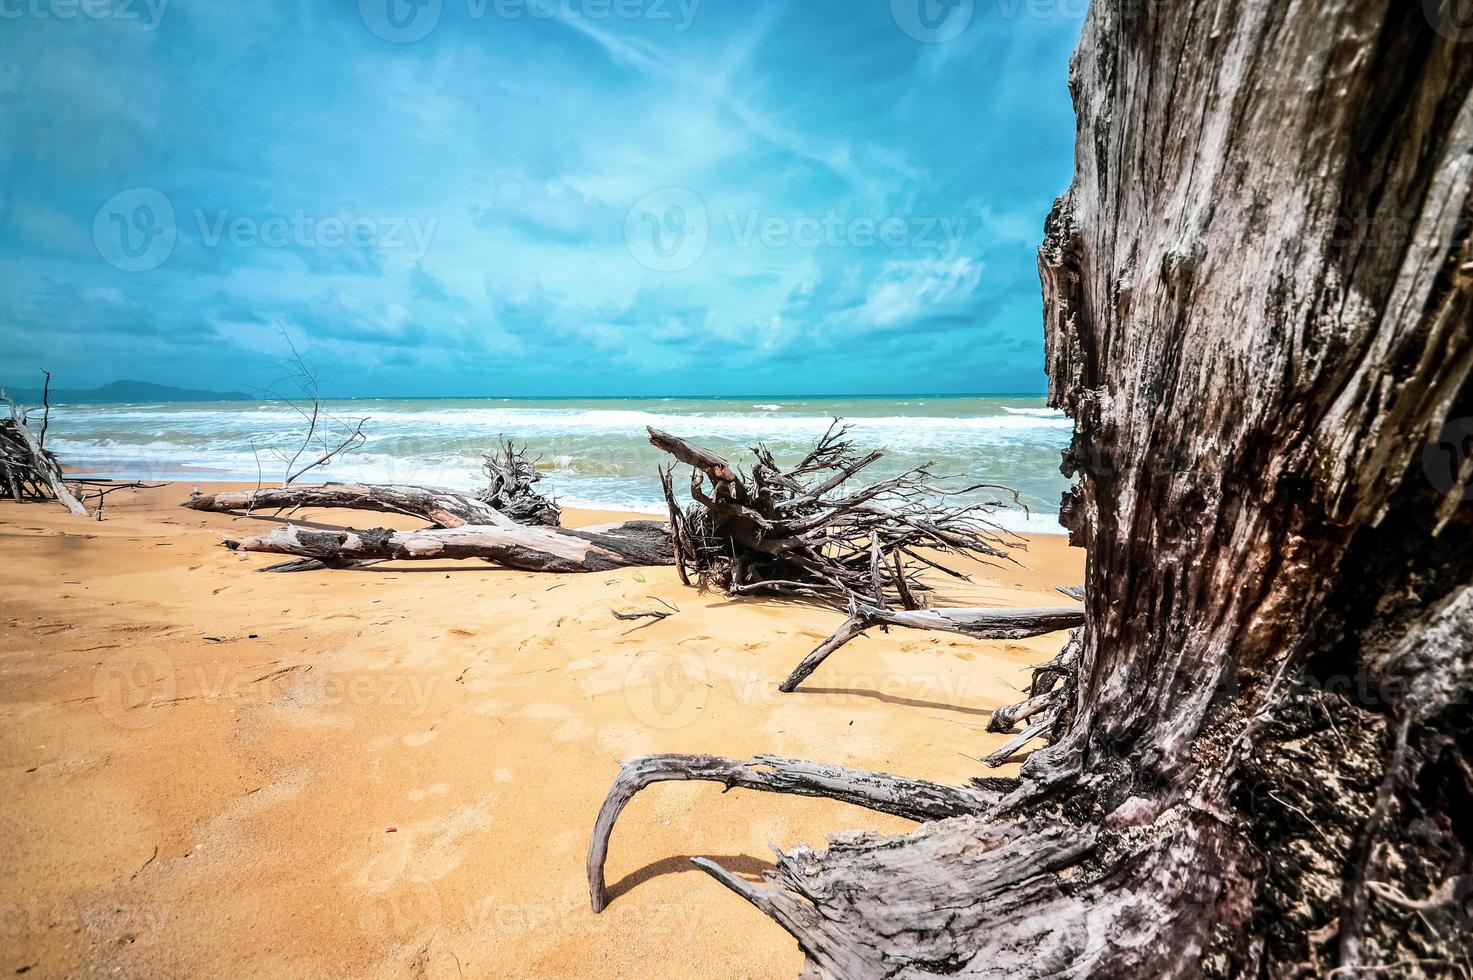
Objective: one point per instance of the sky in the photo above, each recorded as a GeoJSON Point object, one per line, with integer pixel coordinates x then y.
{"type": "Point", "coordinates": [532, 197]}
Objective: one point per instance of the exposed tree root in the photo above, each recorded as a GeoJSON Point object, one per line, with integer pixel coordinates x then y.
{"type": "Point", "coordinates": [913, 799]}
{"type": "Point", "coordinates": [511, 490]}
{"type": "Point", "coordinates": [1051, 693]}
{"type": "Point", "coordinates": [802, 531]}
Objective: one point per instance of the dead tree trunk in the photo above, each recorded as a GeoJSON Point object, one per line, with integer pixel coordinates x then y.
{"type": "Point", "coordinates": [1259, 312]}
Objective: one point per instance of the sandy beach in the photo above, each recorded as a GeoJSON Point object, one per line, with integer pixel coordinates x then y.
{"type": "Point", "coordinates": [393, 772]}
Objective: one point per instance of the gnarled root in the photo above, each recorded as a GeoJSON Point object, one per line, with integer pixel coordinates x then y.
{"type": "Point", "coordinates": [1004, 896]}
{"type": "Point", "coordinates": [803, 530]}
{"type": "Point", "coordinates": [914, 799]}
{"type": "Point", "coordinates": [1051, 693]}
{"type": "Point", "coordinates": [512, 486]}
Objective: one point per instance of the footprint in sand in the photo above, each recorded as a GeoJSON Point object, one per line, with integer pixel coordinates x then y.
{"type": "Point", "coordinates": [415, 739]}
{"type": "Point", "coordinates": [439, 789]}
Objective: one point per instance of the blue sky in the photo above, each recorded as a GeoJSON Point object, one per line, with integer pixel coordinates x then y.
{"type": "Point", "coordinates": [532, 197]}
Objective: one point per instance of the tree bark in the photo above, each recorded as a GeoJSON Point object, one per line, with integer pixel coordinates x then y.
{"type": "Point", "coordinates": [443, 508]}
{"type": "Point", "coordinates": [1259, 312]}
{"type": "Point", "coordinates": [530, 549]}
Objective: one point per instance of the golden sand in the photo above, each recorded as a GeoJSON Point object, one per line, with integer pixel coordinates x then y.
{"type": "Point", "coordinates": [393, 772]}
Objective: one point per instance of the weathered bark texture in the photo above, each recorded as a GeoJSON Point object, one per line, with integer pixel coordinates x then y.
{"type": "Point", "coordinates": [440, 507]}
{"type": "Point", "coordinates": [1259, 298]}
{"type": "Point", "coordinates": [530, 549]}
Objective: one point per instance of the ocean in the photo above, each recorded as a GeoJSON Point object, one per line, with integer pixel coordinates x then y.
{"type": "Point", "coordinates": [594, 452]}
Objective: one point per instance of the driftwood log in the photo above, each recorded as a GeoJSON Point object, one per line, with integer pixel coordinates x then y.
{"type": "Point", "coordinates": [530, 549]}
{"type": "Point", "coordinates": [915, 799]}
{"type": "Point", "coordinates": [804, 531]}
{"type": "Point", "coordinates": [439, 507]}
{"type": "Point", "coordinates": [1259, 313]}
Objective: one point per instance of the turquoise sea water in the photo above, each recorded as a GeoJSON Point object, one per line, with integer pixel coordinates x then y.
{"type": "Point", "coordinates": [593, 451]}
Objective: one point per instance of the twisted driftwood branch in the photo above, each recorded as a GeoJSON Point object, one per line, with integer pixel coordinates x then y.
{"type": "Point", "coordinates": [982, 624]}
{"type": "Point", "coordinates": [914, 799]}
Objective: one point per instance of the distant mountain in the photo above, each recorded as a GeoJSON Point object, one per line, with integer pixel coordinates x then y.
{"type": "Point", "coordinates": [124, 391]}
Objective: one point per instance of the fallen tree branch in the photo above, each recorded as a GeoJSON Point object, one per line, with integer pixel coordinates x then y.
{"type": "Point", "coordinates": [317, 564]}
{"type": "Point", "coordinates": [656, 614]}
{"type": "Point", "coordinates": [981, 624]}
{"type": "Point", "coordinates": [351, 439]}
{"type": "Point", "coordinates": [308, 404]}
{"type": "Point", "coordinates": [1008, 749]}
{"type": "Point", "coordinates": [98, 490]}
{"type": "Point", "coordinates": [531, 549]}
{"type": "Point", "coordinates": [441, 507]}
{"type": "Point", "coordinates": [913, 799]}
{"type": "Point", "coordinates": [692, 455]}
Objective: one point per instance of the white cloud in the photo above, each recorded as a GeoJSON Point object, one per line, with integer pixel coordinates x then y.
{"type": "Point", "coordinates": [909, 288]}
